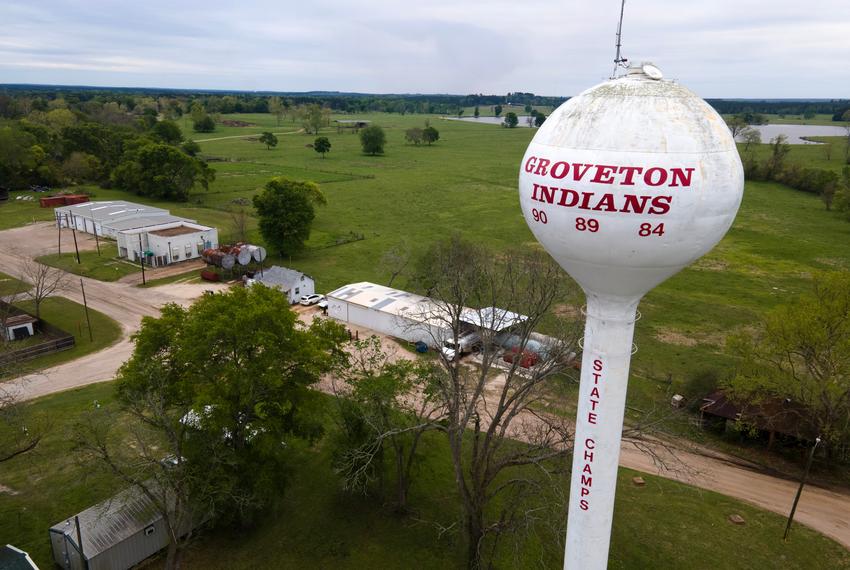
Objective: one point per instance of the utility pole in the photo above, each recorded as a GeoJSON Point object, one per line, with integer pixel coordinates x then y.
{"type": "Point", "coordinates": [86, 305]}
{"type": "Point", "coordinates": [800, 489]}
{"type": "Point", "coordinates": [74, 233]}
{"type": "Point", "coordinates": [142, 259]}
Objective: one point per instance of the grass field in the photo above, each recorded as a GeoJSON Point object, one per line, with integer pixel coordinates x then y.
{"type": "Point", "coordinates": [467, 183]}
{"type": "Point", "coordinates": [105, 266]}
{"type": "Point", "coordinates": [12, 286]}
{"type": "Point", "coordinates": [662, 525]}
{"type": "Point", "coordinates": [71, 318]}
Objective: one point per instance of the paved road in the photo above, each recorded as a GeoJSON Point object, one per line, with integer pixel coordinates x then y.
{"type": "Point", "coordinates": [823, 510]}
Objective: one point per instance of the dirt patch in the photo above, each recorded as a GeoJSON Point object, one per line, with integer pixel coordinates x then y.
{"type": "Point", "coordinates": [232, 123]}
{"type": "Point", "coordinates": [567, 311]}
{"type": "Point", "coordinates": [711, 265]}
{"type": "Point", "coordinates": [673, 337]}
{"type": "Point", "coordinates": [4, 490]}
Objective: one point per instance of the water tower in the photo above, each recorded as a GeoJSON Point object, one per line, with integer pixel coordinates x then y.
{"type": "Point", "coordinates": [624, 185]}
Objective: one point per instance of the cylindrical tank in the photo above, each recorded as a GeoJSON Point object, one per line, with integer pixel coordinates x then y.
{"type": "Point", "coordinates": [243, 254]}
{"type": "Point", "coordinates": [259, 254]}
{"type": "Point", "coordinates": [624, 185]}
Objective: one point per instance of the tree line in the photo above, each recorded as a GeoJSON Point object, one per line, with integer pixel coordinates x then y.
{"type": "Point", "coordinates": [105, 143]}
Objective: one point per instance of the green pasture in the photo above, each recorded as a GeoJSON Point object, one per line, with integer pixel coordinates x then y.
{"type": "Point", "coordinates": [661, 525]}
{"type": "Point", "coordinates": [467, 183]}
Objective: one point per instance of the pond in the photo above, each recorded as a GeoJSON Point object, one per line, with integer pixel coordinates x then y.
{"type": "Point", "coordinates": [796, 132]}
{"type": "Point", "coordinates": [491, 120]}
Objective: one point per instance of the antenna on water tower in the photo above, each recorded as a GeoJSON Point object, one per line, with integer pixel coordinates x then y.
{"type": "Point", "coordinates": [619, 60]}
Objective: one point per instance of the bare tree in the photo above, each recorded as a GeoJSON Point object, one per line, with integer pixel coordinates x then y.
{"type": "Point", "coordinates": [239, 223]}
{"type": "Point", "coordinates": [750, 137]}
{"type": "Point", "coordinates": [45, 281]}
{"type": "Point", "coordinates": [395, 260]}
{"type": "Point", "coordinates": [20, 431]}
{"type": "Point", "coordinates": [492, 402]}
{"type": "Point", "coordinates": [827, 150]}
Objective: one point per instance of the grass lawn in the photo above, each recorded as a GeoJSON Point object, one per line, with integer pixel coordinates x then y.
{"type": "Point", "coordinates": [15, 213]}
{"type": "Point", "coordinates": [662, 525]}
{"type": "Point", "coordinates": [11, 286]}
{"type": "Point", "coordinates": [106, 266]}
{"type": "Point", "coordinates": [188, 277]}
{"type": "Point", "coordinates": [71, 318]}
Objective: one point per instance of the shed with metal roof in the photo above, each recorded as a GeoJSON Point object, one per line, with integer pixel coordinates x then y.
{"type": "Point", "coordinates": [294, 284]}
{"type": "Point", "coordinates": [114, 535]}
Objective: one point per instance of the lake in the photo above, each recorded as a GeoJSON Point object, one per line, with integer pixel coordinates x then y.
{"type": "Point", "coordinates": [795, 132]}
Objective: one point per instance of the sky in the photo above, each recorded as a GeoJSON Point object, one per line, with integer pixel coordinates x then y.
{"type": "Point", "coordinates": [718, 48]}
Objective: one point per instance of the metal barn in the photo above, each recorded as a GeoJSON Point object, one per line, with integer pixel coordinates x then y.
{"type": "Point", "coordinates": [115, 535]}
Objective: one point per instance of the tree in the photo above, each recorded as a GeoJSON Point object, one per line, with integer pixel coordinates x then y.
{"type": "Point", "coordinates": [736, 124]}
{"type": "Point", "coordinates": [322, 145]}
{"type": "Point", "coordinates": [268, 139]}
{"type": "Point", "coordinates": [460, 111]}
{"type": "Point", "coordinates": [827, 150]}
{"type": "Point", "coordinates": [539, 119]}
{"type": "Point", "coordinates": [802, 354]}
{"type": "Point", "coordinates": [45, 281]}
{"type": "Point", "coordinates": [168, 132]}
{"type": "Point", "coordinates": [205, 124]}
{"type": "Point", "coordinates": [372, 139]}
{"type": "Point", "coordinates": [477, 112]}
{"type": "Point", "coordinates": [286, 212]}
{"type": "Point", "coordinates": [749, 136]}
{"type": "Point", "coordinates": [779, 149]}
{"type": "Point", "coordinates": [276, 108]}
{"type": "Point", "coordinates": [314, 116]}
{"type": "Point", "coordinates": [528, 109]}
{"type": "Point", "coordinates": [413, 135]}
{"type": "Point", "coordinates": [239, 224]}
{"type": "Point", "coordinates": [216, 398]}
{"type": "Point", "coordinates": [465, 283]}
{"type": "Point", "coordinates": [497, 110]}
{"type": "Point", "coordinates": [385, 405]}
{"type": "Point", "coordinates": [191, 148]}
{"type": "Point", "coordinates": [846, 118]}
{"type": "Point", "coordinates": [162, 171]}
{"type": "Point", "coordinates": [430, 135]}
{"type": "Point", "coordinates": [395, 260]}
{"type": "Point", "coordinates": [511, 120]}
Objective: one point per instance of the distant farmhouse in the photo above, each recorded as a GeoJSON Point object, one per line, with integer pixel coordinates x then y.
{"type": "Point", "coordinates": [141, 231]}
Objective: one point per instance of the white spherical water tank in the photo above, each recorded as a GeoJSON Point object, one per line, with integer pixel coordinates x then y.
{"type": "Point", "coordinates": [624, 185]}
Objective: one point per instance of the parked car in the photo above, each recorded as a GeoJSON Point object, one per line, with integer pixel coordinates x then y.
{"type": "Point", "coordinates": [323, 304]}
{"type": "Point", "coordinates": [466, 342]}
{"type": "Point", "coordinates": [308, 300]}
{"type": "Point", "coordinates": [526, 360]}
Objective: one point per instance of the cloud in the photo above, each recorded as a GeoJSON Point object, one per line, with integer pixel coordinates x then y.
{"type": "Point", "coordinates": [724, 48]}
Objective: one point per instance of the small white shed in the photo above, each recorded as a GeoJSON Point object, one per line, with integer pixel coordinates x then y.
{"type": "Point", "coordinates": [294, 284]}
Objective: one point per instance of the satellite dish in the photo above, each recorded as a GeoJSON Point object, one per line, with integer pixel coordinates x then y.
{"type": "Point", "coordinates": [260, 254]}
{"type": "Point", "coordinates": [652, 71]}
{"type": "Point", "coordinates": [228, 261]}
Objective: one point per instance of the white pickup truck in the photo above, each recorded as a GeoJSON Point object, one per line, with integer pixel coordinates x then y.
{"type": "Point", "coordinates": [465, 343]}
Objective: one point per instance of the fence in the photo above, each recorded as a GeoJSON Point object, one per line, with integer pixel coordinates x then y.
{"type": "Point", "coordinates": [57, 340]}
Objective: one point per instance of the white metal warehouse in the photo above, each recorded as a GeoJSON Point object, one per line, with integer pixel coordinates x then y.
{"type": "Point", "coordinates": [107, 218]}
{"type": "Point", "coordinates": [407, 315]}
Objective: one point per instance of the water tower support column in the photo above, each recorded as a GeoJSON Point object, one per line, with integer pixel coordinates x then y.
{"type": "Point", "coordinates": [599, 425]}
